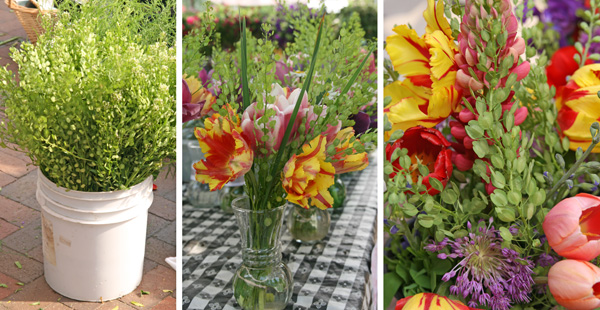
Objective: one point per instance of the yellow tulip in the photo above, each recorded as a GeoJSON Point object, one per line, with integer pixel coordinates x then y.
{"type": "Point", "coordinates": [426, 96]}
{"type": "Point", "coordinates": [307, 176]}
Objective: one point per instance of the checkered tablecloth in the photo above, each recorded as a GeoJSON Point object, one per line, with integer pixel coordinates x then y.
{"type": "Point", "coordinates": [332, 274]}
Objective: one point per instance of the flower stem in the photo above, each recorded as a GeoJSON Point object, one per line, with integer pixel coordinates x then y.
{"type": "Point", "coordinates": [571, 170]}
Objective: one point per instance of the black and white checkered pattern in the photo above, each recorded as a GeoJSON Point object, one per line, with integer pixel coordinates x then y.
{"type": "Point", "coordinates": [332, 274]}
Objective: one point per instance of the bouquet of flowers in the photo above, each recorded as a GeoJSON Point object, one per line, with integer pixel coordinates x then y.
{"type": "Point", "coordinates": [288, 142]}
{"type": "Point", "coordinates": [490, 165]}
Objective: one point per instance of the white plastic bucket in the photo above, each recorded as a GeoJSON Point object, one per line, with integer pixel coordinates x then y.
{"type": "Point", "coordinates": [93, 242]}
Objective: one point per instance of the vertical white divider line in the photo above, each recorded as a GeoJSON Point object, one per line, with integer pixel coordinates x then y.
{"type": "Point", "coordinates": [380, 153]}
{"type": "Point", "coordinates": [179, 158]}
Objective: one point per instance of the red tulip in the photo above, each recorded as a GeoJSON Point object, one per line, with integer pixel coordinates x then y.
{"type": "Point", "coordinates": [562, 65]}
{"type": "Point", "coordinates": [575, 284]}
{"type": "Point", "coordinates": [428, 146]}
{"type": "Point", "coordinates": [573, 227]}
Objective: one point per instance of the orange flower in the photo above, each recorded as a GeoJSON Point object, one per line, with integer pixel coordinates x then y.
{"type": "Point", "coordinates": [308, 176]}
{"type": "Point", "coordinates": [573, 227]}
{"type": "Point", "coordinates": [430, 301]}
{"type": "Point", "coordinates": [343, 162]}
{"type": "Point", "coordinates": [228, 156]}
{"type": "Point", "coordinates": [575, 284]}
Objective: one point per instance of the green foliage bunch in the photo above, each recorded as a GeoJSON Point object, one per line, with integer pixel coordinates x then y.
{"type": "Point", "coordinates": [337, 60]}
{"type": "Point", "coordinates": [337, 86]}
{"type": "Point", "coordinates": [94, 101]}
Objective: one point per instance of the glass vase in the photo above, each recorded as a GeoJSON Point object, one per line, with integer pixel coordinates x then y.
{"type": "Point", "coordinates": [231, 191]}
{"type": "Point", "coordinates": [263, 281]}
{"type": "Point", "coordinates": [308, 225]}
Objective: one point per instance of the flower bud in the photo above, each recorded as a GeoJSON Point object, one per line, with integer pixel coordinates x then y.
{"type": "Point", "coordinates": [575, 284]}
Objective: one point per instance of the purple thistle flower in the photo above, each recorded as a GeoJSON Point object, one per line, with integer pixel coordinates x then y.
{"type": "Point", "coordinates": [487, 274]}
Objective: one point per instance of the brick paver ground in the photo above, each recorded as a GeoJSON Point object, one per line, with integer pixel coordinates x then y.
{"type": "Point", "coordinates": [20, 233]}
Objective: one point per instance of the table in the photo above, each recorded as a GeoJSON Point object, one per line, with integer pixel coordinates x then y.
{"type": "Point", "coordinates": [331, 274]}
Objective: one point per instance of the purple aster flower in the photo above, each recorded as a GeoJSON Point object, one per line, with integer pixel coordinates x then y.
{"type": "Point", "coordinates": [487, 274]}
{"type": "Point", "coordinates": [394, 230]}
{"type": "Point", "coordinates": [563, 16]}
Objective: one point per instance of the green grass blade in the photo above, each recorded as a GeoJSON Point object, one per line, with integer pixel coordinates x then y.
{"type": "Point", "coordinates": [355, 75]}
{"type": "Point", "coordinates": [245, 89]}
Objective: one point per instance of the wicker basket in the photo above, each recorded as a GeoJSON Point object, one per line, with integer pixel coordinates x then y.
{"type": "Point", "coordinates": [29, 18]}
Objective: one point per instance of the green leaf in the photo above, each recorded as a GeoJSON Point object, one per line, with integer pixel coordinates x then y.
{"type": "Point", "coordinates": [514, 197]}
{"type": "Point", "coordinates": [497, 161]}
{"type": "Point", "coordinates": [142, 292]}
{"type": "Point", "coordinates": [449, 197]}
{"type": "Point", "coordinates": [426, 220]}
{"type": "Point", "coordinates": [530, 209]}
{"type": "Point", "coordinates": [505, 234]}
{"type": "Point", "coordinates": [35, 303]}
{"type": "Point", "coordinates": [135, 303]}
{"type": "Point", "coordinates": [539, 197]}
{"type": "Point", "coordinates": [3, 285]}
{"type": "Point", "coordinates": [474, 131]}
{"type": "Point", "coordinates": [441, 266]}
{"type": "Point", "coordinates": [498, 179]}
{"type": "Point", "coordinates": [506, 214]}
{"type": "Point", "coordinates": [20, 283]}
{"type": "Point", "coordinates": [397, 135]}
{"type": "Point", "coordinates": [18, 264]}
{"type": "Point", "coordinates": [244, 69]}
{"type": "Point", "coordinates": [498, 197]}
{"type": "Point", "coordinates": [420, 278]}
{"type": "Point", "coordinates": [409, 209]}
{"type": "Point", "coordinates": [435, 183]}
{"type": "Point", "coordinates": [391, 285]}
{"type": "Point", "coordinates": [481, 148]}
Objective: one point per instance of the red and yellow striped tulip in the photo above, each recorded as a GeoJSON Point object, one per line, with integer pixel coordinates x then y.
{"type": "Point", "coordinates": [228, 155]}
{"type": "Point", "coordinates": [430, 301]}
{"type": "Point", "coordinates": [308, 176]}
{"type": "Point", "coordinates": [343, 162]}
{"type": "Point", "coordinates": [427, 95]}
{"type": "Point", "coordinates": [197, 100]}
{"type": "Point", "coordinates": [579, 106]}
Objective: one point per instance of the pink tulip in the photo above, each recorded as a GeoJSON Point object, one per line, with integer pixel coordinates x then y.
{"type": "Point", "coordinates": [573, 227]}
{"type": "Point", "coordinates": [253, 131]}
{"type": "Point", "coordinates": [575, 284]}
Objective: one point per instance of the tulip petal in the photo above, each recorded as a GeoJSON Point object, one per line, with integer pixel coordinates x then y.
{"type": "Point", "coordinates": [572, 283]}
{"type": "Point", "coordinates": [409, 53]}
{"type": "Point", "coordinates": [434, 16]}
